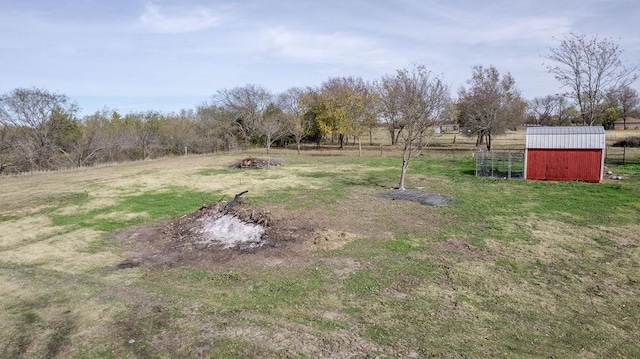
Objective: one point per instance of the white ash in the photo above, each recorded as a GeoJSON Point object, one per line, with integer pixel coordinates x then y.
{"type": "Point", "coordinates": [230, 231]}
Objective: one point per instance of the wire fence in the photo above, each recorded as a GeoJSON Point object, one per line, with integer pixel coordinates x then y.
{"type": "Point", "coordinates": [622, 155]}
{"type": "Point", "coordinates": [509, 165]}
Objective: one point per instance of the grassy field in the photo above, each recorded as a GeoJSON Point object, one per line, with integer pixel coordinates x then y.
{"type": "Point", "coordinates": [511, 269]}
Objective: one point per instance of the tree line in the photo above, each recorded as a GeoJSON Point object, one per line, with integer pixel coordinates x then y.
{"type": "Point", "coordinates": [41, 130]}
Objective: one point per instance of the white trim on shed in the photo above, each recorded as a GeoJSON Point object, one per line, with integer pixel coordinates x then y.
{"type": "Point", "coordinates": [574, 137]}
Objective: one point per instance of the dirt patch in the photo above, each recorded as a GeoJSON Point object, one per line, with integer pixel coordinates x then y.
{"type": "Point", "coordinates": [291, 339]}
{"type": "Point", "coordinates": [332, 239]}
{"type": "Point", "coordinates": [429, 199]}
{"type": "Point", "coordinates": [343, 267]}
{"type": "Point", "coordinates": [290, 238]}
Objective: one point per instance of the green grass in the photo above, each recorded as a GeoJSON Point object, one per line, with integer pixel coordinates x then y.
{"type": "Point", "coordinates": [149, 206]}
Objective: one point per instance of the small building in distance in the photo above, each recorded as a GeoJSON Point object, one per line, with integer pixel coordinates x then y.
{"type": "Point", "coordinates": [571, 153]}
{"type": "Point", "coordinates": [627, 123]}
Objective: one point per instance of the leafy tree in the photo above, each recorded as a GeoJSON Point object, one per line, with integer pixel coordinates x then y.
{"type": "Point", "coordinates": [315, 115]}
{"type": "Point", "coordinates": [422, 101]}
{"type": "Point", "coordinates": [589, 68]}
{"type": "Point", "coordinates": [340, 107]}
{"type": "Point", "coordinates": [609, 116]}
{"type": "Point", "coordinates": [491, 105]}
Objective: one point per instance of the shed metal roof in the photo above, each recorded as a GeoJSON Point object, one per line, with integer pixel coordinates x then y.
{"type": "Point", "coordinates": [566, 137]}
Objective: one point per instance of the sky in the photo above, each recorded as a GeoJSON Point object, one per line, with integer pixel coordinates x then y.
{"type": "Point", "coordinates": [167, 55]}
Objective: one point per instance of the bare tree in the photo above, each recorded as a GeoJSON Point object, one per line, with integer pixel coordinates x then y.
{"type": "Point", "coordinates": [33, 112]}
{"type": "Point", "coordinates": [491, 105]}
{"type": "Point", "coordinates": [249, 105]}
{"type": "Point", "coordinates": [589, 68]}
{"type": "Point", "coordinates": [626, 102]}
{"type": "Point", "coordinates": [7, 140]}
{"type": "Point", "coordinates": [179, 134]}
{"type": "Point", "coordinates": [146, 129]}
{"type": "Point", "coordinates": [81, 141]}
{"type": "Point", "coordinates": [273, 126]}
{"type": "Point", "coordinates": [217, 128]}
{"type": "Point", "coordinates": [293, 105]}
{"type": "Point", "coordinates": [550, 110]}
{"type": "Point", "coordinates": [367, 113]}
{"type": "Point", "coordinates": [541, 109]}
{"type": "Point", "coordinates": [421, 100]}
{"type": "Point", "coordinates": [389, 89]}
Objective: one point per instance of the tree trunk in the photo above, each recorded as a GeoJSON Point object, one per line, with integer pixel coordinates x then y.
{"type": "Point", "coordinates": [489, 141]}
{"type": "Point", "coordinates": [298, 145]}
{"type": "Point", "coordinates": [395, 141]}
{"type": "Point", "coordinates": [359, 147]}
{"type": "Point", "coordinates": [370, 137]}
{"type": "Point", "coordinates": [268, 143]}
{"type": "Point", "coordinates": [403, 173]}
{"type": "Point", "coordinates": [341, 141]}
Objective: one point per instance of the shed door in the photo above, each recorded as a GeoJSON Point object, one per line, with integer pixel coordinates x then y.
{"type": "Point", "coordinates": [564, 165]}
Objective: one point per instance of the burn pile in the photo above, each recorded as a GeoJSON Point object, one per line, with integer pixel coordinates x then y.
{"type": "Point", "coordinates": [256, 162]}
{"type": "Point", "coordinates": [223, 225]}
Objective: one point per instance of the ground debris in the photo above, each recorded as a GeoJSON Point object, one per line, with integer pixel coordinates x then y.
{"type": "Point", "coordinates": [256, 162]}
{"type": "Point", "coordinates": [430, 199]}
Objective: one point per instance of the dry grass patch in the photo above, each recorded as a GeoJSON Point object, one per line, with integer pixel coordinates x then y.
{"type": "Point", "coordinates": [124, 216]}
{"type": "Point", "coordinates": [64, 252]}
{"type": "Point", "coordinates": [25, 230]}
{"type": "Point", "coordinates": [95, 202]}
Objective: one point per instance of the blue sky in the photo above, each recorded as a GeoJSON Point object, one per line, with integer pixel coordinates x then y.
{"type": "Point", "coordinates": [166, 55]}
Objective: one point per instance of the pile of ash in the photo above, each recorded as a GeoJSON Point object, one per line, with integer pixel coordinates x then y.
{"type": "Point", "coordinates": [224, 224]}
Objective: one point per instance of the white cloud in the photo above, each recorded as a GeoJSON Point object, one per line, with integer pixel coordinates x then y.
{"type": "Point", "coordinates": [527, 28]}
{"type": "Point", "coordinates": [176, 20]}
{"type": "Point", "coordinates": [332, 48]}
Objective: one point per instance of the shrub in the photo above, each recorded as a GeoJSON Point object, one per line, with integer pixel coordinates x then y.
{"type": "Point", "coordinates": [628, 142]}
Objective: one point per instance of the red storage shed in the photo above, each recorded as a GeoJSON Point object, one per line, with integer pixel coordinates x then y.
{"type": "Point", "coordinates": [573, 153]}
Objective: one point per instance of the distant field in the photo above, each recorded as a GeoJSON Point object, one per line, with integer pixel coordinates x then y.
{"type": "Point", "coordinates": [511, 269]}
